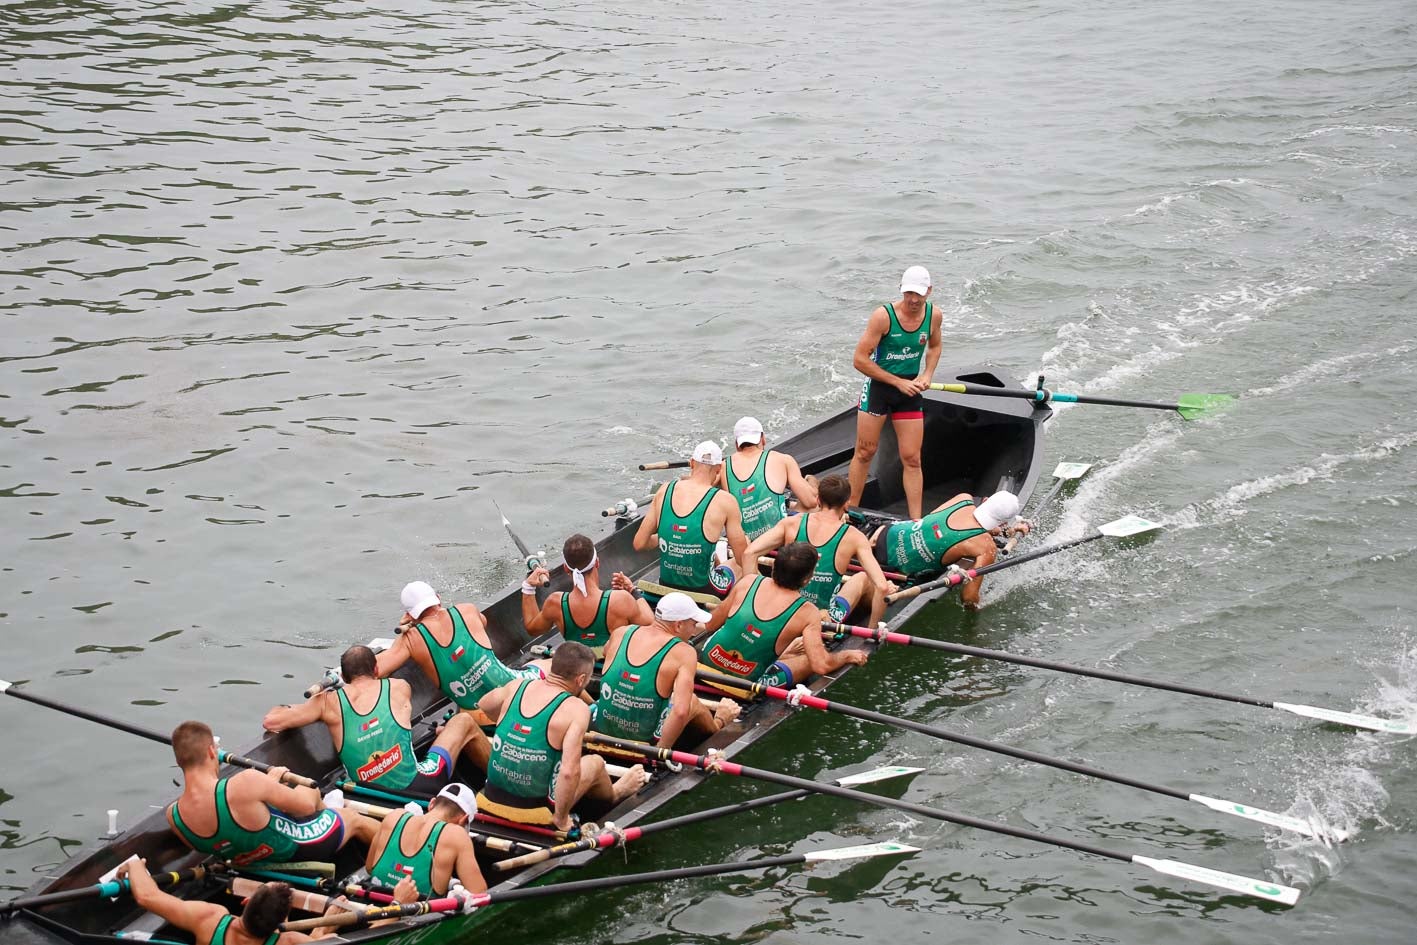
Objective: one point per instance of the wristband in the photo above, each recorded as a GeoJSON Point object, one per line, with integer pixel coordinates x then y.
{"type": "Point", "coordinates": [637, 594]}
{"type": "Point", "coordinates": [528, 589]}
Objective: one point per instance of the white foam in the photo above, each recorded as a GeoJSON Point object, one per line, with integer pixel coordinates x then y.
{"type": "Point", "coordinates": [1327, 367]}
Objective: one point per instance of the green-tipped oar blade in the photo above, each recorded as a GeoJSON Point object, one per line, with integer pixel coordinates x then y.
{"type": "Point", "coordinates": [1195, 406]}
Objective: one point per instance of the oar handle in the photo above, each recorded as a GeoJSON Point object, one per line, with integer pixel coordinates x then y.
{"type": "Point", "coordinates": [626, 507]}
{"type": "Point", "coordinates": [102, 890]}
{"type": "Point", "coordinates": [394, 911]}
{"type": "Point", "coordinates": [290, 777]}
{"type": "Point", "coordinates": [665, 464]}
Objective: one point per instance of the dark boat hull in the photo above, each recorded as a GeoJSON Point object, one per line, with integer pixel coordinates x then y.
{"type": "Point", "coordinates": [972, 444]}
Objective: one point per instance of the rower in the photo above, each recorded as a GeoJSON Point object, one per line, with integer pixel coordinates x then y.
{"type": "Point", "coordinates": [429, 849]}
{"type": "Point", "coordinates": [537, 772]}
{"type": "Point", "coordinates": [685, 521]}
{"type": "Point", "coordinates": [953, 531]}
{"type": "Point", "coordinates": [371, 726]}
{"type": "Point", "coordinates": [585, 613]}
{"type": "Point", "coordinates": [758, 479]}
{"type": "Point", "coordinates": [897, 352]}
{"type": "Point", "coordinates": [837, 543]}
{"type": "Point", "coordinates": [647, 688]}
{"type": "Point", "coordinates": [251, 816]}
{"type": "Point", "coordinates": [451, 646]}
{"type": "Point", "coordinates": [209, 923]}
{"type": "Point", "coordinates": [766, 631]}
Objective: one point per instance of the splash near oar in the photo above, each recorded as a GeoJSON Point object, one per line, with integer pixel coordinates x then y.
{"type": "Point", "coordinates": [1258, 888]}
{"type": "Point", "coordinates": [1124, 527]}
{"type": "Point", "coordinates": [1354, 720]}
{"type": "Point", "coordinates": [1189, 406]}
{"type": "Point", "coordinates": [1064, 473]}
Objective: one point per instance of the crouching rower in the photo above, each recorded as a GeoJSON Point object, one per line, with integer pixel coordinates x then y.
{"type": "Point", "coordinates": [647, 688]}
{"type": "Point", "coordinates": [250, 816]}
{"type": "Point", "coordinates": [585, 614]}
{"type": "Point", "coordinates": [837, 543]}
{"type": "Point", "coordinates": [537, 772]}
{"type": "Point", "coordinates": [685, 522]}
{"type": "Point", "coordinates": [758, 479]}
{"type": "Point", "coordinates": [451, 646]}
{"type": "Point", "coordinates": [371, 725]}
{"type": "Point", "coordinates": [766, 631]}
{"type": "Point", "coordinates": [209, 923]}
{"type": "Point", "coordinates": [429, 850]}
{"type": "Point", "coordinates": [953, 531]}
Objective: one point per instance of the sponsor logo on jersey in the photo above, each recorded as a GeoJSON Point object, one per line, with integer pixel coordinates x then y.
{"type": "Point", "coordinates": [458, 653]}
{"type": "Point", "coordinates": [380, 764]}
{"type": "Point", "coordinates": [923, 336]}
{"type": "Point", "coordinates": [628, 676]}
{"type": "Point", "coordinates": [731, 660]}
{"type": "Point", "coordinates": [307, 831]}
{"type": "Point", "coordinates": [721, 578]}
{"type": "Point", "coordinates": [260, 853]}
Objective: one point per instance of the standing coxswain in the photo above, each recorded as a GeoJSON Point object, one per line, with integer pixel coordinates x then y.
{"type": "Point", "coordinates": [897, 352]}
{"type": "Point", "coordinates": [686, 520]}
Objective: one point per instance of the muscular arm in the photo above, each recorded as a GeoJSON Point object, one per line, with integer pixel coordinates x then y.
{"type": "Point", "coordinates": [725, 606]}
{"type": "Point", "coordinates": [861, 549]}
{"type": "Point", "coordinates": [682, 698]}
{"type": "Point", "coordinates": [819, 658]}
{"type": "Point", "coordinates": [296, 801]}
{"type": "Point", "coordinates": [969, 593]}
{"type": "Point", "coordinates": [395, 656]}
{"type": "Point", "coordinates": [495, 702]}
{"type": "Point", "coordinates": [198, 918]}
{"type": "Point", "coordinates": [876, 328]}
{"type": "Point", "coordinates": [737, 538]}
{"type": "Point", "coordinates": [647, 538]}
{"type": "Point", "coordinates": [466, 869]}
{"type": "Point", "coordinates": [538, 622]}
{"type": "Point", "coordinates": [283, 717]}
{"type": "Point", "coordinates": [805, 492]}
{"type": "Point", "coordinates": [569, 777]}
{"type": "Point", "coordinates": [770, 540]}
{"type": "Point", "coordinates": [933, 349]}
{"type": "Point", "coordinates": [626, 608]}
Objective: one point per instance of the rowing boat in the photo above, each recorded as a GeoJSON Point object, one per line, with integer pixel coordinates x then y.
{"type": "Point", "coordinates": [972, 444]}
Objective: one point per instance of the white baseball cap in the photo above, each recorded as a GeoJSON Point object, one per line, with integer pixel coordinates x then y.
{"type": "Point", "coordinates": [996, 510]}
{"type": "Point", "coordinates": [417, 597]}
{"type": "Point", "coordinates": [747, 430]}
{"type": "Point", "coordinates": [674, 606]}
{"type": "Point", "coordinates": [709, 453]}
{"type": "Point", "coordinates": [461, 795]}
{"type": "Point", "coordinates": [916, 279]}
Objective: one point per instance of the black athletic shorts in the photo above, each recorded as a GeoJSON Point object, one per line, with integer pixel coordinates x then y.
{"type": "Point", "coordinates": [884, 400]}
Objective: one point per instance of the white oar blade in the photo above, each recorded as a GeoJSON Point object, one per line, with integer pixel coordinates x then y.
{"type": "Point", "coordinates": [1127, 526]}
{"type": "Point", "coordinates": [877, 774]}
{"type": "Point", "coordinates": [1282, 821]}
{"type": "Point", "coordinates": [861, 852]}
{"type": "Point", "coordinates": [1071, 470]}
{"type": "Point", "coordinates": [1270, 892]}
{"type": "Point", "coordinates": [1392, 726]}
{"type": "Point", "coordinates": [4, 685]}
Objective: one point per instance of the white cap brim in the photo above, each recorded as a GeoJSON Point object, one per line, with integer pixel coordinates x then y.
{"type": "Point", "coordinates": [915, 287]}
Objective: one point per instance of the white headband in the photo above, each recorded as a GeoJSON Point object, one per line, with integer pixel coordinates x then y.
{"type": "Point", "coordinates": [578, 574]}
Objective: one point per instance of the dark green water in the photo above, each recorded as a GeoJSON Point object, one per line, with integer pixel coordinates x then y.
{"type": "Point", "coordinates": [291, 289]}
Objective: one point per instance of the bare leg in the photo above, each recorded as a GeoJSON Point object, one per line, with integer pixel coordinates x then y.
{"type": "Point", "coordinates": [910, 434]}
{"type": "Point", "coordinates": [477, 748]}
{"type": "Point", "coordinates": [704, 722]}
{"type": "Point", "coordinates": [456, 734]}
{"type": "Point", "coordinates": [595, 781]}
{"type": "Point", "coordinates": [868, 437]}
{"type": "Point", "coordinates": [857, 588]}
{"type": "Point", "coordinates": [358, 827]}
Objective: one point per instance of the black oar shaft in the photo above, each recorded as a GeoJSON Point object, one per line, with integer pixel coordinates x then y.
{"type": "Point", "coordinates": [1011, 562]}
{"type": "Point", "coordinates": [658, 876]}
{"type": "Point", "coordinates": [99, 890]}
{"type": "Point", "coordinates": [819, 787]}
{"type": "Point", "coordinates": [944, 734]}
{"type": "Point", "coordinates": [984, 391]}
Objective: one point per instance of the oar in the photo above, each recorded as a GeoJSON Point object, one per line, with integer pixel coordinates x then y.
{"type": "Point", "coordinates": [492, 897]}
{"type": "Point", "coordinates": [534, 560]}
{"type": "Point", "coordinates": [106, 890]}
{"type": "Point", "coordinates": [225, 757]}
{"type": "Point", "coordinates": [1064, 473]}
{"type": "Point", "coordinates": [1393, 726]}
{"type": "Point", "coordinates": [665, 464]}
{"type": "Point", "coordinates": [626, 507]}
{"type": "Point", "coordinates": [1189, 406]}
{"type": "Point", "coordinates": [801, 697]}
{"type": "Point", "coordinates": [612, 836]}
{"type": "Point", "coordinates": [1260, 889]}
{"type": "Point", "coordinates": [1122, 528]}
{"type": "Point", "coordinates": [768, 558]}
{"type": "Point", "coordinates": [259, 877]}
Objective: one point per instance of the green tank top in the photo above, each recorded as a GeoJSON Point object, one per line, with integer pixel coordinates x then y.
{"type": "Point", "coordinates": [746, 644]}
{"type": "Point", "coordinates": [282, 839]}
{"type": "Point", "coordinates": [219, 933]}
{"type": "Point", "coordinates": [825, 578]}
{"type": "Point", "coordinates": [917, 547]}
{"type": "Point", "coordinates": [902, 352]}
{"type": "Point", "coordinates": [376, 748]}
{"type": "Point", "coordinates": [762, 507]}
{"type": "Point", "coordinates": [393, 864]}
{"type": "Point", "coordinates": [466, 669]}
{"type": "Point", "coordinates": [685, 555]}
{"type": "Point", "coordinates": [597, 633]}
{"type": "Point", "coordinates": [630, 705]}
{"type": "Point", "coordinates": [523, 763]}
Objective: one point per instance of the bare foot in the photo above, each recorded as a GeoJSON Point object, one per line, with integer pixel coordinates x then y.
{"type": "Point", "coordinates": [630, 782]}
{"type": "Point", "coordinates": [726, 712]}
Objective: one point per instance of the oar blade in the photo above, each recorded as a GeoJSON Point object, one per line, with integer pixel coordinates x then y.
{"type": "Point", "coordinates": [886, 848]}
{"type": "Point", "coordinates": [1371, 722]}
{"type": "Point", "coordinates": [1127, 526]}
{"type": "Point", "coordinates": [877, 774]}
{"type": "Point", "coordinates": [1195, 406]}
{"type": "Point", "coordinates": [1270, 818]}
{"type": "Point", "coordinates": [1071, 470]}
{"type": "Point", "coordinates": [1260, 889]}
